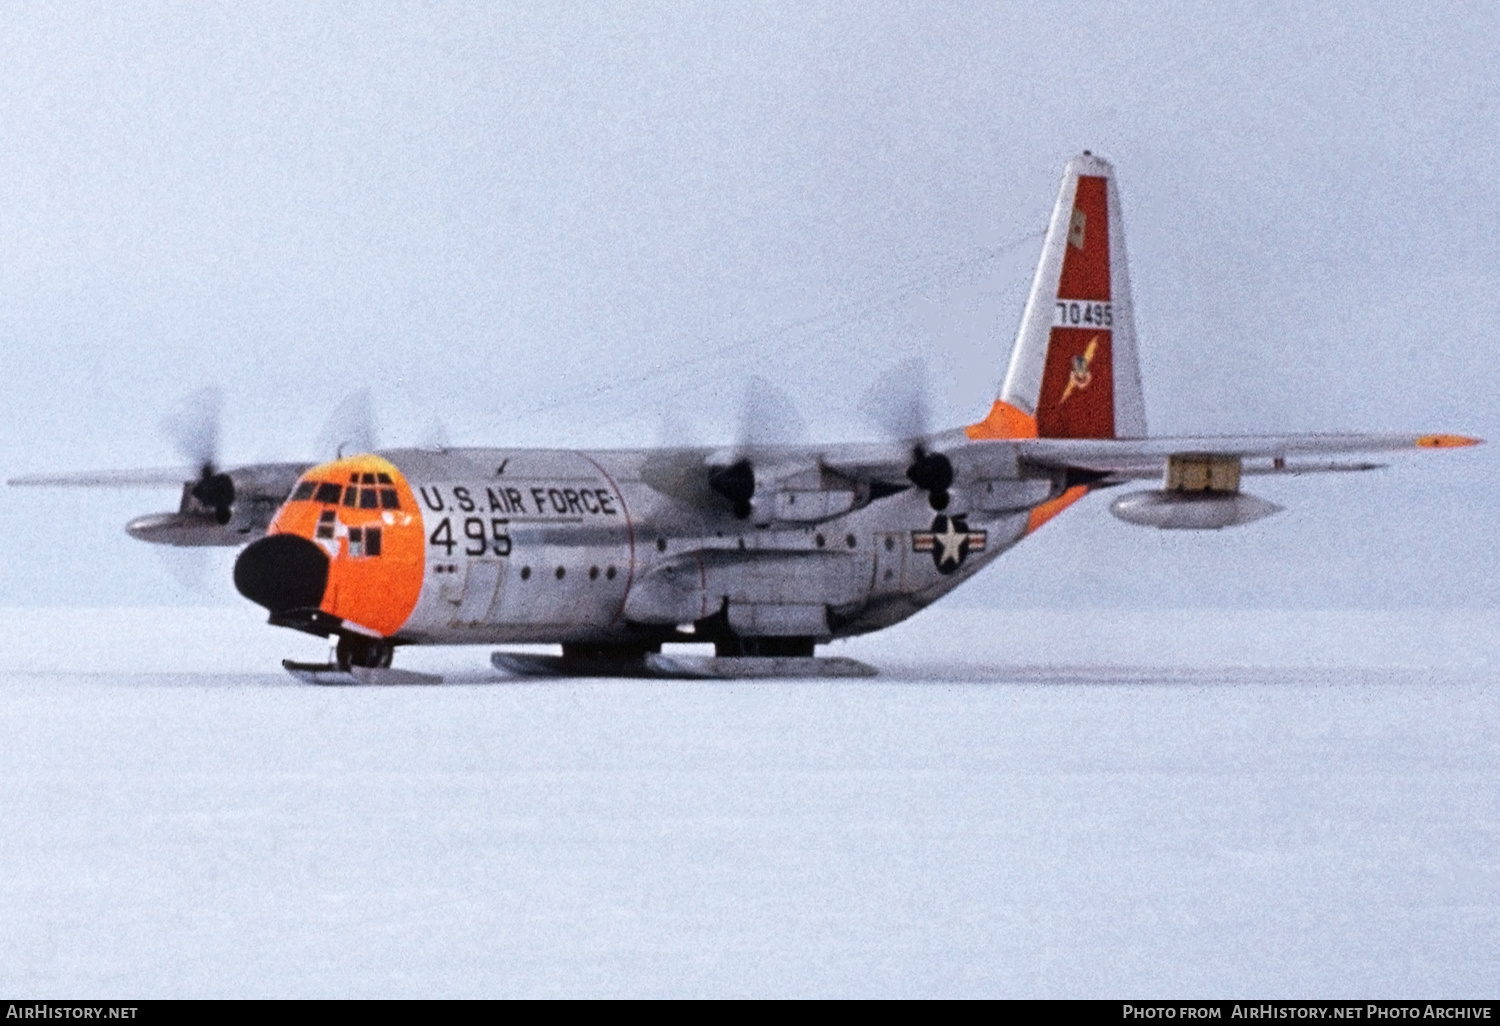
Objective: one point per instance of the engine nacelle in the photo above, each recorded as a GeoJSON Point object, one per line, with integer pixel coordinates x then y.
{"type": "Point", "coordinates": [1172, 509]}
{"type": "Point", "coordinates": [250, 496]}
{"type": "Point", "coordinates": [190, 530]}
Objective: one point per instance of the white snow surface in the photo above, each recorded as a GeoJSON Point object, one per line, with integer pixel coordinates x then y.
{"type": "Point", "coordinates": [1045, 803]}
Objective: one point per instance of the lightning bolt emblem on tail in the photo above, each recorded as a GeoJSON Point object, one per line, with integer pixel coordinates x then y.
{"type": "Point", "coordinates": [1080, 376]}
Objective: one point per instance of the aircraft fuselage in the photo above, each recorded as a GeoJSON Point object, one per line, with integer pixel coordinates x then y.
{"type": "Point", "coordinates": [616, 549]}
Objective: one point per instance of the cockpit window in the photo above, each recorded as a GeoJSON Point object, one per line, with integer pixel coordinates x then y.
{"type": "Point", "coordinates": [364, 541]}
{"type": "Point", "coordinates": [364, 491]}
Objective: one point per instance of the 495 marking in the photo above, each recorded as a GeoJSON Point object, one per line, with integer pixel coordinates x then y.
{"type": "Point", "coordinates": [1078, 313]}
{"type": "Point", "coordinates": [478, 537]}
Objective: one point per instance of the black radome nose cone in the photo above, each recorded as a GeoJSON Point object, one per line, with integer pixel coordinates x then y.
{"type": "Point", "coordinates": [282, 572]}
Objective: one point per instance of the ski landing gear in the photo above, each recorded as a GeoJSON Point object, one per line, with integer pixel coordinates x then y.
{"type": "Point", "coordinates": [735, 658]}
{"type": "Point", "coordinates": [358, 660]}
{"type": "Point", "coordinates": [369, 653]}
{"type": "Point", "coordinates": [761, 666]}
{"type": "Point", "coordinates": [362, 660]}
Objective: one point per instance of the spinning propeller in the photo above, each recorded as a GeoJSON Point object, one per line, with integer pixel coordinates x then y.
{"type": "Point", "coordinates": [767, 418]}
{"type": "Point", "coordinates": [350, 428]}
{"type": "Point", "coordinates": [898, 403]}
{"type": "Point", "coordinates": [194, 431]}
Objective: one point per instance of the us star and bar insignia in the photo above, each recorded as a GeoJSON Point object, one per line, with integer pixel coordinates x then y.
{"type": "Point", "coordinates": [950, 541]}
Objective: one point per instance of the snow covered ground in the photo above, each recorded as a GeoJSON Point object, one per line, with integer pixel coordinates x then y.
{"type": "Point", "coordinates": [1080, 803]}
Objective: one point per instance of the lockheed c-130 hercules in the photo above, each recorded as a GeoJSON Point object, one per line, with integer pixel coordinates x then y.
{"type": "Point", "coordinates": [764, 551]}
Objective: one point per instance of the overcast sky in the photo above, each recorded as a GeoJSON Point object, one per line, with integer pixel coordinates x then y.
{"type": "Point", "coordinates": [554, 225]}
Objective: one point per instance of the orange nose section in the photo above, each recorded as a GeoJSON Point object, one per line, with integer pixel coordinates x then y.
{"type": "Point", "coordinates": [362, 513]}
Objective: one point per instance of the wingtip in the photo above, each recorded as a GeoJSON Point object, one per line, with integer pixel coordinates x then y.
{"type": "Point", "coordinates": [1447, 441]}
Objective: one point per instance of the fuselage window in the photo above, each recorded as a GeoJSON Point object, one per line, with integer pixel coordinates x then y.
{"type": "Point", "coordinates": [328, 493]}
{"type": "Point", "coordinates": [356, 541]}
{"type": "Point", "coordinates": [304, 491]}
{"type": "Point", "coordinates": [372, 541]}
{"type": "Point", "coordinates": [326, 522]}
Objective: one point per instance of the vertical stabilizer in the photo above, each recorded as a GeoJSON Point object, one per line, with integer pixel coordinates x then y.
{"type": "Point", "coordinates": [1073, 371]}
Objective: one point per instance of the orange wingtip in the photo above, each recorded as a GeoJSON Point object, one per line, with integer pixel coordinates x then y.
{"type": "Point", "coordinates": [1446, 441]}
{"type": "Point", "coordinates": [1004, 421]}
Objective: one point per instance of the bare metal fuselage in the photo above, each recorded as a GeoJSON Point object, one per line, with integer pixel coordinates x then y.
{"type": "Point", "coordinates": [616, 547]}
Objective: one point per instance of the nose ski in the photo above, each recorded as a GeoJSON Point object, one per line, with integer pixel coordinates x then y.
{"type": "Point", "coordinates": [331, 674]}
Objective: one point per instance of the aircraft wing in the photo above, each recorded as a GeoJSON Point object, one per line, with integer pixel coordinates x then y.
{"type": "Point", "coordinates": [1140, 458]}
{"type": "Point", "coordinates": [226, 507]}
{"type": "Point", "coordinates": [260, 476]}
{"type": "Point", "coordinates": [174, 476]}
{"type": "Point", "coordinates": [1260, 454]}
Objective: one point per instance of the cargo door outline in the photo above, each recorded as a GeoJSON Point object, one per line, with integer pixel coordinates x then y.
{"type": "Point", "coordinates": [483, 583]}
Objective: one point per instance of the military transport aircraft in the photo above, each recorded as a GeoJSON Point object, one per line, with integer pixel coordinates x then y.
{"type": "Point", "coordinates": [764, 551]}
